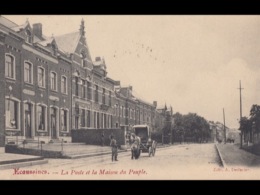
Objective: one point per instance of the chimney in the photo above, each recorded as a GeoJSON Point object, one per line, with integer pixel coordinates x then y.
{"type": "Point", "coordinates": [155, 103]}
{"type": "Point", "coordinates": [98, 59]}
{"type": "Point", "coordinates": [37, 30]}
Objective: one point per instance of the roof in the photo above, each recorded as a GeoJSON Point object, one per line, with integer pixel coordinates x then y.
{"type": "Point", "coordinates": [6, 22]}
{"type": "Point", "coordinates": [20, 27]}
{"type": "Point", "coordinates": [46, 42]}
{"type": "Point", "coordinates": [68, 42]}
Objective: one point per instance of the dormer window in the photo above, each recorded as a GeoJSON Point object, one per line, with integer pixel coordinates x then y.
{"type": "Point", "coordinates": [83, 57]}
{"type": "Point", "coordinates": [54, 49]}
{"type": "Point", "coordinates": [28, 36]}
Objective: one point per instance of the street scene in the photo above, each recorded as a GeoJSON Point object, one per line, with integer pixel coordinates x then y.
{"type": "Point", "coordinates": [129, 97]}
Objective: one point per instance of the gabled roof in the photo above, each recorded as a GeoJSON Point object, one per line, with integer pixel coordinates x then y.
{"type": "Point", "coordinates": [6, 22]}
{"type": "Point", "coordinates": [68, 42]}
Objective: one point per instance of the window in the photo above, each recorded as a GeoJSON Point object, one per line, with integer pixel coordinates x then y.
{"type": "Point", "coordinates": [63, 84]}
{"type": "Point", "coordinates": [89, 90]}
{"type": "Point", "coordinates": [111, 121]}
{"type": "Point", "coordinates": [76, 117]}
{"type": "Point", "coordinates": [104, 96]}
{"type": "Point", "coordinates": [102, 120]}
{"type": "Point", "coordinates": [64, 120]}
{"type": "Point", "coordinates": [53, 81]}
{"type": "Point", "coordinates": [96, 93]}
{"type": "Point", "coordinates": [76, 86]}
{"type": "Point", "coordinates": [41, 77]}
{"type": "Point", "coordinates": [88, 118]}
{"type": "Point", "coordinates": [105, 121]}
{"type": "Point", "coordinates": [109, 99]}
{"type": "Point", "coordinates": [28, 73]}
{"type": "Point", "coordinates": [82, 56]}
{"type": "Point", "coordinates": [83, 91]}
{"type": "Point", "coordinates": [97, 120]}
{"type": "Point", "coordinates": [9, 66]}
{"type": "Point", "coordinates": [28, 36]}
{"type": "Point", "coordinates": [117, 110]}
{"type": "Point", "coordinates": [82, 118]}
{"type": "Point", "coordinates": [54, 49]}
{"type": "Point", "coordinates": [11, 113]}
{"type": "Point", "coordinates": [41, 118]}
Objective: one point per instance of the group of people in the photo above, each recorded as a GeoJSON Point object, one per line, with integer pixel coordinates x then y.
{"type": "Point", "coordinates": [135, 142]}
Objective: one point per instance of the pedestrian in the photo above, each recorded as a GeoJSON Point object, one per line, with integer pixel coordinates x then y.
{"type": "Point", "coordinates": [102, 138]}
{"type": "Point", "coordinates": [114, 148]}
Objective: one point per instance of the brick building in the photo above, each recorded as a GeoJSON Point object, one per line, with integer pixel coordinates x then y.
{"type": "Point", "coordinates": [35, 83]}
{"type": "Point", "coordinates": [50, 85]}
{"type": "Point", "coordinates": [131, 110]}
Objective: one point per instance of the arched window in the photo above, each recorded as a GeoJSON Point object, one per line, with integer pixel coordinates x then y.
{"type": "Point", "coordinates": [11, 113]}
{"type": "Point", "coordinates": [41, 115]}
{"type": "Point", "coordinates": [83, 57]}
{"type": "Point", "coordinates": [63, 84]}
{"type": "Point", "coordinates": [41, 77]}
{"type": "Point", "coordinates": [64, 120]}
{"type": "Point", "coordinates": [53, 81]}
{"type": "Point", "coordinates": [9, 66]}
{"type": "Point", "coordinates": [28, 73]}
{"type": "Point", "coordinates": [28, 36]}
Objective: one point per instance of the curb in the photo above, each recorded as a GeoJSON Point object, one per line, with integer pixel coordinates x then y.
{"type": "Point", "coordinates": [23, 164]}
{"type": "Point", "coordinates": [88, 155]}
{"type": "Point", "coordinates": [222, 162]}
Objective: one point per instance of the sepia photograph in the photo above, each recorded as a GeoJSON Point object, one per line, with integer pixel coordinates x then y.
{"type": "Point", "coordinates": [129, 97]}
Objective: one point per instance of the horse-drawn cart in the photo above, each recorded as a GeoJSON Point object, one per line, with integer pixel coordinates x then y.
{"type": "Point", "coordinates": [146, 145]}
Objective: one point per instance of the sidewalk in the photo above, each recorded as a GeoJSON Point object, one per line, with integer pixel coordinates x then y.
{"type": "Point", "coordinates": [8, 161]}
{"type": "Point", "coordinates": [233, 156]}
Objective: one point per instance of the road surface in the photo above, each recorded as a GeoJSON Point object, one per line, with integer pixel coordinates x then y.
{"type": "Point", "coordinates": [176, 162]}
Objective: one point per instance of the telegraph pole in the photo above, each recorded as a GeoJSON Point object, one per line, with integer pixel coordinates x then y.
{"type": "Point", "coordinates": [225, 138]}
{"type": "Point", "coordinates": [240, 93]}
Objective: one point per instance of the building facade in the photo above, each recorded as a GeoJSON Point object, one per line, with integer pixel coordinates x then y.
{"type": "Point", "coordinates": [131, 110]}
{"type": "Point", "coordinates": [50, 85]}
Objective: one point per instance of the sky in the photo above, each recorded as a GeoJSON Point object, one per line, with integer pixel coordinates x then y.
{"type": "Point", "coordinates": [193, 63]}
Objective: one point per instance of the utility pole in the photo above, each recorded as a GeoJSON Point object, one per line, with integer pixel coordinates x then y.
{"type": "Point", "coordinates": [225, 139]}
{"type": "Point", "coordinates": [240, 93]}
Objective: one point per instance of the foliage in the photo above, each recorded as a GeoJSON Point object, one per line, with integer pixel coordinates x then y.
{"type": "Point", "coordinates": [192, 126]}
{"type": "Point", "coordinates": [255, 117]}
{"type": "Point", "coordinates": [245, 125]}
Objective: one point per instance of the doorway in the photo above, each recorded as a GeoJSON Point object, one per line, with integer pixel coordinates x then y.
{"type": "Point", "coordinates": [53, 124]}
{"type": "Point", "coordinates": [28, 121]}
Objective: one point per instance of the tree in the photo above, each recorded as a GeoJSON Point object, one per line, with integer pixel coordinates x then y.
{"type": "Point", "coordinates": [245, 126]}
{"type": "Point", "coordinates": [255, 116]}
{"type": "Point", "coordinates": [192, 127]}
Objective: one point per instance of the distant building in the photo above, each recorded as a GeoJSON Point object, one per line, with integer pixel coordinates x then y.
{"type": "Point", "coordinates": [131, 110]}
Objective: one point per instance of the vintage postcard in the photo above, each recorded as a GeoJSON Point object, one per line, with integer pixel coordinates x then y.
{"type": "Point", "coordinates": [98, 97]}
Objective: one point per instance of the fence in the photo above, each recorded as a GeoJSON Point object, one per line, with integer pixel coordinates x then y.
{"type": "Point", "coordinates": [34, 147]}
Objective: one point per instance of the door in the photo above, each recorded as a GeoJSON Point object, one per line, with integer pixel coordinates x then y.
{"type": "Point", "coordinates": [28, 121]}
{"type": "Point", "coordinates": [53, 123]}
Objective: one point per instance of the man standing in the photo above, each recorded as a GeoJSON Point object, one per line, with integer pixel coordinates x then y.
{"type": "Point", "coordinates": [114, 148]}
{"type": "Point", "coordinates": [102, 139]}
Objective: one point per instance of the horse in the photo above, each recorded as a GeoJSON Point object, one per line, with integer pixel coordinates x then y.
{"type": "Point", "coordinates": [135, 147]}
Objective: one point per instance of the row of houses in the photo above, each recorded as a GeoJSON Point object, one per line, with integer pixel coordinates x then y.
{"type": "Point", "coordinates": [50, 85]}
